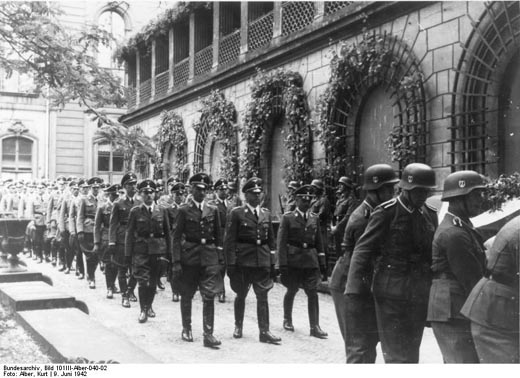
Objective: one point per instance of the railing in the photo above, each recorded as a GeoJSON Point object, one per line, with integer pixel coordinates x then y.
{"type": "Point", "coordinates": [229, 48]}
{"type": "Point", "coordinates": [334, 6]}
{"type": "Point", "coordinates": [203, 60]}
{"type": "Point", "coordinates": [161, 84]}
{"type": "Point", "coordinates": [130, 96]}
{"type": "Point", "coordinates": [145, 91]}
{"type": "Point", "coordinates": [181, 72]}
{"type": "Point", "coordinates": [260, 31]}
{"type": "Point", "coordinates": [296, 16]}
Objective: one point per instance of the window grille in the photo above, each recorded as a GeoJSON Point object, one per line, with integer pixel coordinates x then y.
{"type": "Point", "coordinates": [162, 55]}
{"type": "Point", "coordinates": [296, 15]}
{"type": "Point", "coordinates": [334, 6]}
{"type": "Point", "coordinates": [260, 31]}
{"type": "Point", "coordinates": [203, 60]}
{"type": "Point", "coordinates": [145, 91]}
{"type": "Point", "coordinates": [181, 72]}
{"type": "Point", "coordinates": [130, 96]}
{"type": "Point", "coordinates": [145, 67]}
{"type": "Point", "coordinates": [229, 48]}
{"type": "Point", "coordinates": [161, 84]}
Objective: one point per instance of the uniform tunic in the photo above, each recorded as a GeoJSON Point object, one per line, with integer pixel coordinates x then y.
{"type": "Point", "coordinates": [321, 207]}
{"type": "Point", "coordinates": [117, 228]}
{"type": "Point", "coordinates": [101, 226]}
{"type": "Point", "coordinates": [342, 213]}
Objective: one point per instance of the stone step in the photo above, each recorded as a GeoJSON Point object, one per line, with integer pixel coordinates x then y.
{"type": "Point", "coordinates": [24, 276]}
{"type": "Point", "coordinates": [68, 333]}
{"type": "Point", "coordinates": [36, 295]}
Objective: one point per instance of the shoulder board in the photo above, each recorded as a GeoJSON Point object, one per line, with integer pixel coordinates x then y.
{"type": "Point", "coordinates": [265, 209]}
{"type": "Point", "coordinates": [432, 208]}
{"type": "Point", "coordinates": [389, 203]}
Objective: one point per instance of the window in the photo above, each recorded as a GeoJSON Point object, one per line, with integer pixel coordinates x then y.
{"type": "Point", "coordinates": [17, 157]}
{"type": "Point", "coordinates": [109, 161]}
{"type": "Point", "coordinates": [114, 24]}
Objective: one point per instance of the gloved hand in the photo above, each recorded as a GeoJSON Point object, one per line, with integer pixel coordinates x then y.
{"type": "Point", "coordinates": [231, 269]}
{"type": "Point", "coordinates": [176, 271]}
{"type": "Point", "coordinates": [323, 271]}
{"type": "Point", "coordinates": [81, 237]}
{"type": "Point", "coordinates": [274, 272]}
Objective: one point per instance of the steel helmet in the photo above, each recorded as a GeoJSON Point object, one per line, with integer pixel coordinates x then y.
{"type": "Point", "coordinates": [461, 183]}
{"type": "Point", "coordinates": [417, 175]}
{"type": "Point", "coordinates": [378, 175]}
{"type": "Point", "coordinates": [347, 181]}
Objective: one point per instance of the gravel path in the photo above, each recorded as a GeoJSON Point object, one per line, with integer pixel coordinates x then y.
{"type": "Point", "coordinates": [161, 336]}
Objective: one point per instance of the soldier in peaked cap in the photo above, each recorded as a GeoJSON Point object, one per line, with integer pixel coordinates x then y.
{"type": "Point", "coordinates": [53, 212]}
{"type": "Point", "coordinates": [147, 238]}
{"type": "Point", "coordinates": [250, 250]}
{"type": "Point", "coordinates": [345, 205]}
{"type": "Point", "coordinates": [198, 258]}
{"type": "Point", "coordinates": [64, 224]}
{"type": "Point", "coordinates": [301, 257]}
{"type": "Point", "coordinates": [85, 226]}
{"type": "Point", "coordinates": [101, 226]}
{"type": "Point", "coordinates": [356, 312]}
{"type": "Point", "coordinates": [73, 227]}
{"type": "Point", "coordinates": [321, 206]}
{"type": "Point", "coordinates": [399, 235]}
{"type": "Point", "coordinates": [116, 238]}
{"type": "Point", "coordinates": [222, 204]}
{"type": "Point", "coordinates": [458, 263]}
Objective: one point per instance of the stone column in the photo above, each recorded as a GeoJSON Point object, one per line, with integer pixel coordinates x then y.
{"type": "Point", "coordinates": [277, 20]}
{"type": "Point", "coordinates": [137, 79]}
{"type": "Point", "coordinates": [192, 48]}
{"type": "Point", "coordinates": [216, 34]}
{"type": "Point", "coordinates": [319, 11]}
{"type": "Point", "coordinates": [244, 26]}
{"type": "Point", "coordinates": [170, 61]}
{"type": "Point", "coordinates": [152, 77]}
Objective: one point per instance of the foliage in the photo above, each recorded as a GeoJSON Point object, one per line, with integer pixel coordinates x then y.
{"type": "Point", "coordinates": [504, 188]}
{"type": "Point", "coordinates": [130, 141]}
{"type": "Point", "coordinates": [218, 118]}
{"type": "Point", "coordinates": [33, 41]}
{"type": "Point", "coordinates": [353, 66]}
{"type": "Point", "coordinates": [265, 88]}
{"type": "Point", "coordinates": [159, 27]}
{"type": "Point", "coordinates": [171, 132]}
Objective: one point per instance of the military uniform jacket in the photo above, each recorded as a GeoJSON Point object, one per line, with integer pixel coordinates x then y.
{"type": "Point", "coordinates": [249, 241]}
{"type": "Point", "coordinates": [148, 234]}
{"type": "Point", "coordinates": [197, 240]}
{"type": "Point", "coordinates": [119, 219]}
{"type": "Point", "coordinates": [400, 237]}
{"type": "Point", "coordinates": [86, 214]}
{"type": "Point", "coordinates": [458, 263]}
{"type": "Point", "coordinates": [321, 206]}
{"type": "Point", "coordinates": [299, 241]}
{"type": "Point", "coordinates": [102, 222]}
{"type": "Point", "coordinates": [342, 213]}
{"type": "Point", "coordinates": [222, 212]}
{"type": "Point", "coordinates": [63, 219]}
{"type": "Point", "coordinates": [54, 206]}
{"type": "Point", "coordinates": [493, 302]}
{"type": "Point", "coordinates": [11, 203]}
{"type": "Point", "coordinates": [356, 226]}
{"type": "Point", "coordinates": [37, 209]}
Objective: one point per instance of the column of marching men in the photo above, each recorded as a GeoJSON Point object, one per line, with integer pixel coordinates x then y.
{"type": "Point", "coordinates": [397, 270]}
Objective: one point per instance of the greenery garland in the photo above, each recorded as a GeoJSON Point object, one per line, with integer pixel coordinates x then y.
{"type": "Point", "coordinates": [504, 188]}
{"type": "Point", "coordinates": [219, 117]}
{"type": "Point", "coordinates": [259, 112]}
{"type": "Point", "coordinates": [157, 28]}
{"type": "Point", "coordinates": [355, 63]}
{"type": "Point", "coordinates": [171, 131]}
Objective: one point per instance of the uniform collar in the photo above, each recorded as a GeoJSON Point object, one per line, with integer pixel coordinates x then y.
{"type": "Point", "coordinates": [367, 204]}
{"type": "Point", "coordinates": [406, 205]}
{"type": "Point", "coordinates": [253, 208]}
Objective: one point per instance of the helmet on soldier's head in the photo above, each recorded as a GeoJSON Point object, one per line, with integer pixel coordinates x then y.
{"type": "Point", "coordinates": [346, 181]}
{"type": "Point", "coordinates": [461, 183]}
{"type": "Point", "coordinates": [318, 184]}
{"type": "Point", "coordinates": [293, 185]}
{"type": "Point", "coordinates": [378, 175]}
{"type": "Point", "coordinates": [417, 175]}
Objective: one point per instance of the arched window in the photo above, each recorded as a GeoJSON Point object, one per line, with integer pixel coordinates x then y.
{"type": "Point", "coordinates": [17, 158]}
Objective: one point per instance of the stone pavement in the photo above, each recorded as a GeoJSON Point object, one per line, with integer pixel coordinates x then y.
{"type": "Point", "coordinates": [160, 336]}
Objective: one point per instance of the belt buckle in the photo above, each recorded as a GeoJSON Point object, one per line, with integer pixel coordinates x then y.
{"type": "Point", "coordinates": [202, 241]}
{"type": "Point", "coordinates": [304, 245]}
{"type": "Point", "coordinates": [258, 242]}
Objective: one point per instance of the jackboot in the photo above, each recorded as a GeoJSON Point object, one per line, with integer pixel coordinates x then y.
{"type": "Point", "coordinates": [186, 319]}
{"type": "Point", "coordinates": [151, 295]}
{"type": "Point", "coordinates": [208, 316]}
{"type": "Point", "coordinates": [143, 300]}
{"type": "Point", "coordinates": [262, 311]}
{"type": "Point", "coordinates": [288, 301]}
{"type": "Point", "coordinates": [314, 314]}
{"type": "Point", "coordinates": [240, 306]}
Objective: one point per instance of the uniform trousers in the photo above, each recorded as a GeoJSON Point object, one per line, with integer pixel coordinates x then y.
{"type": "Point", "coordinates": [76, 250]}
{"type": "Point", "coordinates": [66, 249]}
{"type": "Point", "coordinates": [207, 279]}
{"type": "Point", "coordinates": [38, 240]}
{"type": "Point", "coordinates": [91, 258]}
{"type": "Point", "coordinates": [118, 259]}
{"type": "Point", "coordinates": [455, 341]}
{"type": "Point", "coordinates": [495, 345]}
{"type": "Point", "coordinates": [340, 305]}
{"type": "Point", "coordinates": [361, 329]}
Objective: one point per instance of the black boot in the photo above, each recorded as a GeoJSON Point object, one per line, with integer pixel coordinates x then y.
{"type": "Point", "coordinates": [186, 319]}
{"type": "Point", "coordinates": [151, 295]}
{"type": "Point", "coordinates": [143, 300]}
{"type": "Point", "coordinates": [262, 311]}
{"type": "Point", "coordinates": [240, 306]}
{"type": "Point", "coordinates": [288, 301]}
{"type": "Point", "coordinates": [314, 315]}
{"type": "Point", "coordinates": [208, 316]}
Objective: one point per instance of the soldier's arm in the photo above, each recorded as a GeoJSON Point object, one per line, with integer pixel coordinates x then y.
{"type": "Point", "coordinates": [230, 240]}
{"type": "Point", "coordinates": [72, 217]}
{"type": "Point", "coordinates": [61, 216]}
{"type": "Point", "coordinates": [113, 224]}
{"type": "Point", "coordinates": [97, 225]}
{"type": "Point", "coordinates": [80, 218]}
{"type": "Point", "coordinates": [282, 241]}
{"type": "Point", "coordinates": [167, 235]}
{"type": "Point", "coordinates": [130, 230]}
{"type": "Point", "coordinates": [366, 248]}
{"type": "Point", "coordinates": [49, 208]}
{"type": "Point", "coordinates": [177, 236]}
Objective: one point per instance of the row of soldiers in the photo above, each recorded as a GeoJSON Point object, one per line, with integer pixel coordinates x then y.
{"type": "Point", "coordinates": [401, 271]}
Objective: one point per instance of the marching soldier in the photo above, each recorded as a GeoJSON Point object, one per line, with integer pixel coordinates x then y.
{"type": "Point", "coordinates": [53, 212]}
{"type": "Point", "coordinates": [399, 234]}
{"type": "Point", "coordinates": [321, 206]}
{"type": "Point", "coordinates": [250, 251]}
{"type": "Point", "coordinates": [345, 205]}
{"type": "Point", "coordinates": [198, 258]}
{"type": "Point", "coordinates": [356, 312]}
{"type": "Point", "coordinates": [493, 304]}
{"type": "Point", "coordinates": [164, 259]}
{"type": "Point", "coordinates": [301, 257]}
{"type": "Point", "coordinates": [101, 227]}
{"type": "Point", "coordinates": [73, 227]}
{"type": "Point", "coordinates": [64, 224]}
{"type": "Point", "coordinates": [458, 262]}
{"type": "Point", "coordinates": [221, 203]}
{"type": "Point", "coordinates": [147, 239]}
{"type": "Point", "coordinates": [37, 210]}
{"type": "Point", "coordinates": [116, 240]}
{"type": "Point", "coordinates": [85, 228]}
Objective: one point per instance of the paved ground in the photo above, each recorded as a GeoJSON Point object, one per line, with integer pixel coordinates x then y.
{"type": "Point", "coordinates": [161, 336]}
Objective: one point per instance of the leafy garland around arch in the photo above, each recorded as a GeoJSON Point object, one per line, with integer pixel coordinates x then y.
{"type": "Point", "coordinates": [355, 63]}
{"type": "Point", "coordinates": [171, 132]}
{"type": "Point", "coordinates": [259, 112]}
{"type": "Point", "coordinates": [219, 116]}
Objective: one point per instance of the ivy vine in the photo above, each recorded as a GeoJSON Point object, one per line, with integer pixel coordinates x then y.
{"type": "Point", "coordinates": [219, 117]}
{"type": "Point", "coordinates": [503, 189]}
{"type": "Point", "coordinates": [264, 90]}
{"type": "Point", "coordinates": [171, 132]}
{"type": "Point", "coordinates": [367, 61]}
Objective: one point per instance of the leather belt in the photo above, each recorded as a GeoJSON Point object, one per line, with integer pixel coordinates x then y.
{"type": "Point", "coordinates": [301, 245]}
{"type": "Point", "coordinates": [202, 241]}
{"type": "Point", "coordinates": [253, 241]}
